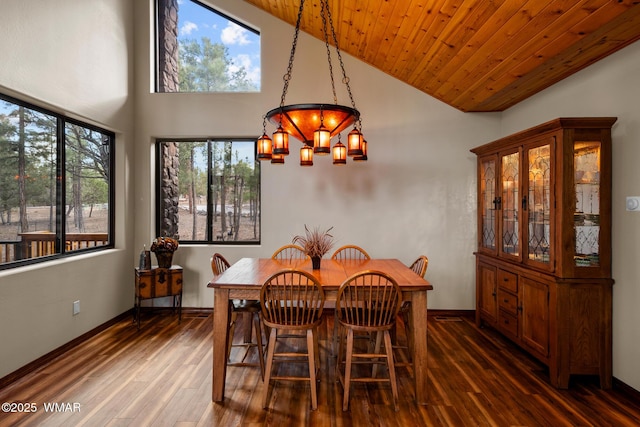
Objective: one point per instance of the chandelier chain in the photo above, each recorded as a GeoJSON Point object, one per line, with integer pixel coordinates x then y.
{"type": "Point", "coordinates": [345, 79]}
{"type": "Point", "coordinates": [324, 8]}
{"type": "Point", "coordinates": [287, 76]}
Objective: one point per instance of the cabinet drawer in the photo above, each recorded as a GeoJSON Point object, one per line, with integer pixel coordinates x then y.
{"type": "Point", "coordinates": [507, 302]}
{"type": "Point", "coordinates": [158, 283]}
{"type": "Point", "coordinates": [508, 281]}
{"type": "Point", "coordinates": [508, 323]}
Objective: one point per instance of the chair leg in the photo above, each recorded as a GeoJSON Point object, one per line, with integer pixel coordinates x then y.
{"type": "Point", "coordinates": [339, 351]}
{"type": "Point", "coordinates": [376, 349]}
{"type": "Point", "coordinates": [408, 329]}
{"type": "Point", "coordinates": [406, 320]}
{"type": "Point", "coordinates": [311, 354]}
{"type": "Point", "coordinates": [347, 370]}
{"type": "Point", "coordinates": [232, 330]}
{"type": "Point", "coordinates": [336, 329]}
{"type": "Point", "coordinates": [392, 369]}
{"type": "Point", "coordinates": [248, 330]}
{"type": "Point", "coordinates": [316, 349]}
{"type": "Point", "coordinates": [256, 323]}
{"type": "Point", "coordinates": [394, 333]}
{"type": "Point", "coordinates": [267, 375]}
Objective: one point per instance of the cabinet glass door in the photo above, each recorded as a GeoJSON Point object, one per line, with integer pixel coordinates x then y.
{"type": "Point", "coordinates": [487, 238]}
{"type": "Point", "coordinates": [586, 219]}
{"type": "Point", "coordinates": [539, 203]}
{"type": "Point", "coordinates": [510, 204]}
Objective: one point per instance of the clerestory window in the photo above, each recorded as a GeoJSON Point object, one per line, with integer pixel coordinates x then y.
{"type": "Point", "coordinates": [200, 49]}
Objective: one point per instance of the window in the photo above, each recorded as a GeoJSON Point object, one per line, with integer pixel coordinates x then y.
{"type": "Point", "coordinates": [56, 185]}
{"type": "Point", "coordinates": [209, 190]}
{"type": "Point", "coordinates": [202, 50]}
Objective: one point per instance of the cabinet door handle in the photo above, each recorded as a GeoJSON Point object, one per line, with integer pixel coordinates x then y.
{"type": "Point", "coordinates": [497, 203]}
{"type": "Point", "coordinates": [524, 203]}
{"type": "Point", "coordinates": [520, 308]}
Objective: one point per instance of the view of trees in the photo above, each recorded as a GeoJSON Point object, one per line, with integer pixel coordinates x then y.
{"type": "Point", "coordinates": [27, 164]}
{"type": "Point", "coordinates": [206, 67]}
{"type": "Point", "coordinates": [87, 172]}
{"type": "Point", "coordinates": [219, 180]}
{"type": "Point", "coordinates": [31, 168]}
{"type": "Point", "coordinates": [238, 186]}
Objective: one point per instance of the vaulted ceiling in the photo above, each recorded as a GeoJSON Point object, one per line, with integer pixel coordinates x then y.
{"type": "Point", "coordinates": [475, 55]}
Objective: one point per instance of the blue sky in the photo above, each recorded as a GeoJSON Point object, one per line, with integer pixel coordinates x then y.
{"type": "Point", "coordinates": [196, 21]}
{"type": "Point", "coordinates": [244, 149]}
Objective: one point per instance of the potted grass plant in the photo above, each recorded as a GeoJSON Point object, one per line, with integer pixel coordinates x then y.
{"type": "Point", "coordinates": [316, 243]}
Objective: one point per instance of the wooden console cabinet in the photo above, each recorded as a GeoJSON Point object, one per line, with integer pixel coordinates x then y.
{"type": "Point", "coordinates": [543, 264]}
{"type": "Point", "coordinates": [157, 283]}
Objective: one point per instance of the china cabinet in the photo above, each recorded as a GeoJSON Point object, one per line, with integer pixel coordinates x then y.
{"type": "Point", "coordinates": [543, 263]}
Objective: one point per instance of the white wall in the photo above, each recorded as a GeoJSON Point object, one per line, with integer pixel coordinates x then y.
{"type": "Point", "coordinates": [607, 88]}
{"type": "Point", "coordinates": [415, 195]}
{"type": "Point", "coordinates": [73, 57]}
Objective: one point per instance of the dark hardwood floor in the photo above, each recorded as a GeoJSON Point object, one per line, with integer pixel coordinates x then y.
{"type": "Point", "coordinates": [161, 375]}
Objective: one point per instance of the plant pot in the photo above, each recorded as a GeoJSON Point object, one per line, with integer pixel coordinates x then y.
{"type": "Point", "coordinates": [165, 258]}
{"type": "Point", "coordinates": [315, 262]}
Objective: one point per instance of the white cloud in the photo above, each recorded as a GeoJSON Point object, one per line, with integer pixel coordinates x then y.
{"type": "Point", "coordinates": [243, 61]}
{"type": "Point", "coordinates": [234, 34]}
{"type": "Point", "coordinates": [188, 28]}
{"type": "Point", "coordinates": [253, 71]}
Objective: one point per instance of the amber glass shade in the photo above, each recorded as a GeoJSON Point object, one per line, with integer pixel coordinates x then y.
{"type": "Point", "coordinates": [306, 156]}
{"type": "Point", "coordinates": [339, 154]}
{"type": "Point", "coordinates": [280, 142]}
{"type": "Point", "coordinates": [277, 159]}
{"type": "Point", "coordinates": [321, 141]}
{"type": "Point", "coordinates": [354, 143]}
{"type": "Point", "coordinates": [264, 147]}
{"type": "Point", "coordinates": [363, 157]}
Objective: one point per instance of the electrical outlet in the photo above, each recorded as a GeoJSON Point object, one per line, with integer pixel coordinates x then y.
{"type": "Point", "coordinates": [633, 203]}
{"type": "Point", "coordinates": [76, 307]}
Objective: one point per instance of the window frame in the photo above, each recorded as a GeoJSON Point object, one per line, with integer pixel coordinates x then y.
{"type": "Point", "coordinates": [210, 238]}
{"type": "Point", "coordinates": [61, 191]}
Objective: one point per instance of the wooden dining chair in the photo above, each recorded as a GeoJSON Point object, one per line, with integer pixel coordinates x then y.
{"type": "Point", "coordinates": [290, 253]}
{"type": "Point", "coordinates": [242, 307]}
{"type": "Point", "coordinates": [350, 252]}
{"type": "Point", "coordinates": [219, 264]}
{"type": "Point", "coordinates": [292, 301]}
{"type": "Point", "coordinates": [344, 253]}
{"type": "Point", "coordinates": [419, 266]}
{"type": "Point", "coordinates": [367, 302]}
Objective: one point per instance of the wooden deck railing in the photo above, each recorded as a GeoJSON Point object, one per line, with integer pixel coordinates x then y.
{"type": "Point", "coordinates": [38, 244]}
{"type": "Point", "coordinates": [8, 250]}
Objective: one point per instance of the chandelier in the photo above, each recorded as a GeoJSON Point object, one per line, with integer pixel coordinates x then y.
{"type": "Point", "coordinates": [314, 124]}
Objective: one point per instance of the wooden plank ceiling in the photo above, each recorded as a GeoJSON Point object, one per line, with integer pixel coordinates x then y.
{"type": "Point", "coordinates": [475, 55]}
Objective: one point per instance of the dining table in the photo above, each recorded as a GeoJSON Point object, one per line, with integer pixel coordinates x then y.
{"type": "Point", "coordinates": [244, 279]}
